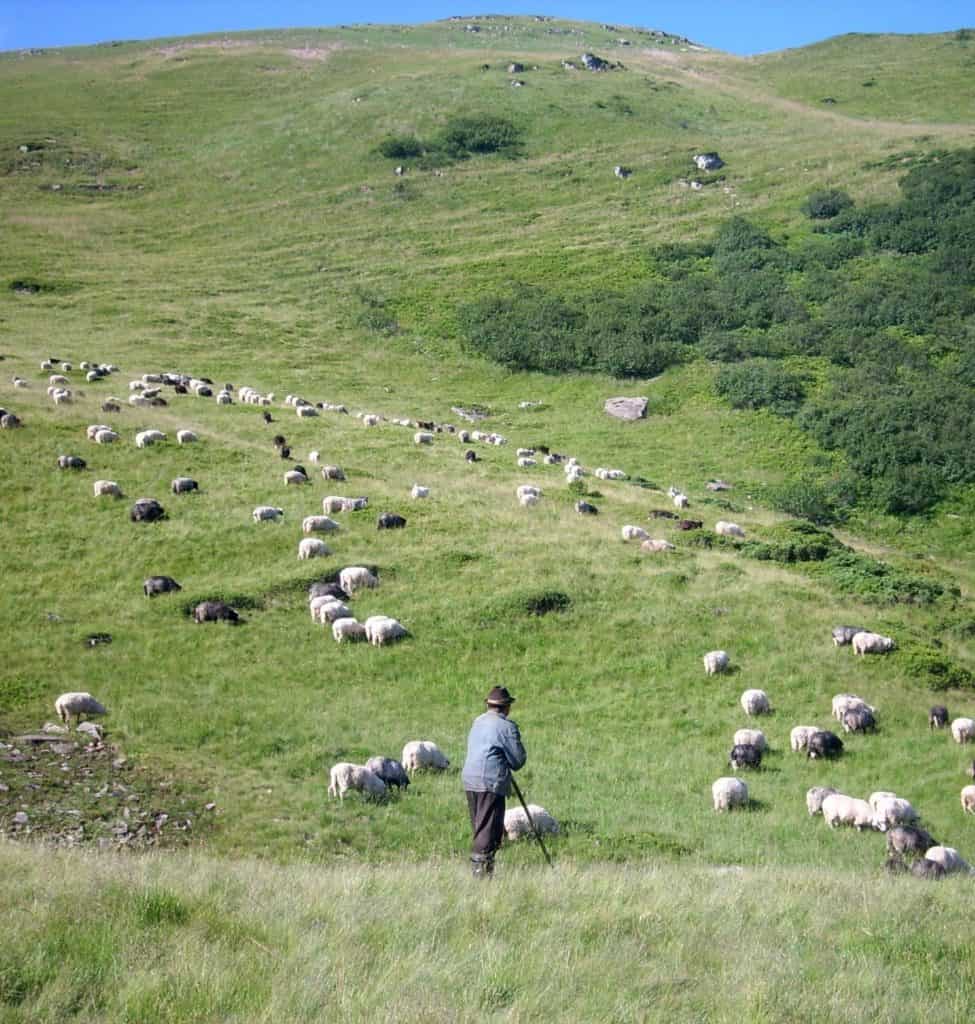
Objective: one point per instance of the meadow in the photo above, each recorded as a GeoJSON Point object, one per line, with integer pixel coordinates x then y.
{"type": "Point", "coordinates": [217, 206]}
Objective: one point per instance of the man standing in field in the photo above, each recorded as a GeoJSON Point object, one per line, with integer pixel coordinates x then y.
{"type": "Point", "coordinates": [494, 751]}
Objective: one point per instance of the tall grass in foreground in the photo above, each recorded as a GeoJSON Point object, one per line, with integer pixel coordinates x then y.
{"type": "Point", "coordinates": [185, 938]}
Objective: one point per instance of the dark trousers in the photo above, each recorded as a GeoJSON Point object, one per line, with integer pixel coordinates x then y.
{"type": "Point", "coordinates": [487, 822]}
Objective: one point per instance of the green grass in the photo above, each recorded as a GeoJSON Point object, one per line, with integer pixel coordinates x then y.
{"type": "Point", "coordinates": [251, 216]}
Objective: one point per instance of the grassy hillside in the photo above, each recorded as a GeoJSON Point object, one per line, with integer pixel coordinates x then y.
{"type": "Point", "coordinates": [218, 206]}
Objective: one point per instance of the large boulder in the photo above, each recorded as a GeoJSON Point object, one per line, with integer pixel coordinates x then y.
{"type": "Point", "coordinates": [626, 408]}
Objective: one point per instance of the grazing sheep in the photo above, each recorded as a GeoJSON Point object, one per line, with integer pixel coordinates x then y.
{"type": "Point", "coordinates": [105, 436]}
{"type": "Point", "coordinates": [963, 730]}
{"type": "Point", "coordinates": [843, 635]}
{"type": "Point", "coordinates": [71, 462]}
{"type": "Point", "coordinates": [892, 810]}
{"type": "Point", "coordinates": [661, 513]}
{"type": "Point", "coordinates": [815, 798]}
{"type": "Point", "coordinates": [333, 503]}
{"type": "Point", "coordinates": [329, 610]}
{"type": "Point", "coordinates": [183, 485]}
{"type": "Point", "coordinates": [215, 611]}
{"type": "Point", "coordinates": [295, 476]}
{"type": "Point", "coordinates": [690, 524]}
{"type": "Point", "coordinates": [9, 421]}
{"type": "Point", "coordinates": [844, 702]}
{"type": "Point", "coordinates": [528, 500]}
{"type": "Point", "coordinates": [948, 857]}
{"type": "Point", "coordinates": [93, 428]}
{"type": "Point", "coordinates": [654, 546]}
{"type": "Point", "coordinates": [716, 661]}
{"type": "Point", "coordinates": [908, 840]}
{"type": "Point", "coordinates": [417, 491]}
{"type": "Point", "coordinates": [267, 512]}
{"type": "Point", "coordinates": [355, 504]}
{"type": "Point", "coordinates": [322, 588]}
{"type": "Point", "coordinates": [745, 755]}
{"type": "Point", "coordinates": [58, 379]}
{"type": "Point", "coordinates": [681, 501]}
{"type": "Point", "coordinates": [156, 585]}
{"type": "Point", "coordinates": [729, 792]}
{"type": "Point", "coordinates": [585, 509]}
{"type": "Point", "coordinates": [799, 736]}
{"type": "Point", "coordinates": [871, 643]}
{"type": "Point", "coordinates": [968, 799]}
{"type": "Point", "coordinates": [186, 437]}
{"type": "Point", "coordinates": [755, 737]}
{"type": "Point", "coordinates": [77, 704]}
{"type": "Point", "coordinates": [111, 405]}
{"type": "Point", "coordinates": [755, 702]}
{"type": "Point", "coordinates": [345, 776]}
{"type": "Point", "coordinates": [146, 510]}
{"type": "Point", "coordinates": [107, 487]}
{"type": "Point", "coordinates": [859, 719]}
{"type": "Point", "coordinates": [927, 869]}
{"type": "Point", "coordinates": [423, 437]}
{"type": "Point", "coordinates": [319, 524]}
{"type": "Point", "coordinates": [348, 629]}
{"type": "Point", "coordinates": [634, 533]}
{"type": "Point", "coordinates": [823, 743]}
{"type": "Point", "coordinates": [419, 754]}
{"type": "Point", "coordinates": [139, 400]}
{"type": "Point", "coordinates": [145, 438]}
{"type": "Point", "coordinates": [517, 825]}
{"type": "Point", "coordinates": [529, 489]}
{"type": "Point", "coordinates": [938, 717]}
{"type": "Point", "coordinates": [318, 601]}
{"type": "Point", "coordinates": [382, 630]}
{"type": "Point", "coordinates": [357, 577]}
{"type": "Point", "coordinates": [389, 770]}
{"type": "Point", "coordinates": [333, 473]}
{"type": "Point", "coordinates": [305, 411]}
{"type": "Point", "coordinates": [371, 420]}
{"type": "Point", "coordinates": [847, 810]}
{"type": "Point", "coordinates": [723, 529]}
{"type": "Point", "coordinates": [390, 521]}
{"type": "Point", "coordinates": [312, 547]}
{"type": "Point", "coordinates": [470, 455]}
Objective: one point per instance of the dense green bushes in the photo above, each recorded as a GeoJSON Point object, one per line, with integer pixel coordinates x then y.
{"type": "Point", "coordinates": [460, 138]}
{"type": "Point", "coordinates": [885, 293]}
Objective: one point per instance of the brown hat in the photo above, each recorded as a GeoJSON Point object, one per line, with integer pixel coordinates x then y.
{"type": "Point", "coordinates": [499, 697]}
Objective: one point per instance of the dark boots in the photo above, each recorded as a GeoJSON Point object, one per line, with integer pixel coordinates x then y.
{"type": "Point", "coordinates": [482, 865]}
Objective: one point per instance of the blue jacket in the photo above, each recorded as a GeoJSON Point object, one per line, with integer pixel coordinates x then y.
{"type": "Point", "coordinates": [494, 751]}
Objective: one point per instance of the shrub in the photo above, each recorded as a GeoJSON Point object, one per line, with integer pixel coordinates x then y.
{"type": "Point", "coordinates": [876, 582]}
{"type": "Point", "coordinates": [482, 133]}
{"type": "Point", "coordinates": [400, 147]}
{"type": "Point", "coordinates": [793, 542]}
{"type": "Point", "coordinates": [826, 203]}
{"type": "Point", "coordinates": [761, 384]}
{"type": "Point", "coordinates": [931, 667]}
{"type": "Point", "coordinates": [821, 503]}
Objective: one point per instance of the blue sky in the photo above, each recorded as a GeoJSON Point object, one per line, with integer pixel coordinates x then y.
{"type": "Point", "coordinates": [749, 26]}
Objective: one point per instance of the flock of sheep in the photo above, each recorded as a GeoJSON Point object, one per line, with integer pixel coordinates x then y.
{"type": "Point", "coordinates": [328, 607]}
{"type": "Point", "coordinates": [908, 844]}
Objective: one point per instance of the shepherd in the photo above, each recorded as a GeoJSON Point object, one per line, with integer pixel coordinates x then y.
{"type": "Point", "coordinates": [494, 751]}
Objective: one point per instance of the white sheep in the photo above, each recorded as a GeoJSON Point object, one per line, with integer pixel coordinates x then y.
{"type": "Point", "coordinates": [77, 704]}
{"type": "Point", "coordinates": [634, 533]}
{"type": "Point", "coordinates": [348, 629]}
{"type": "Point", "coordinates": [716, 661]}
{"type": "Point", "coordinates": [58, 380]}
{"type": "Point", "coordinates": [305, 411]}
{"type": "Point", "coordinates": [526, 462]}
{"type": "Point", "coordinates": [799, 736]}
{"type": "Point", "coordinates": [753, 737]}
{"type": "Point", "coordinates": [106, 436]}
{"type": "Point", "coordinates": [318, 602]}
{"type": "Point", "coordinates": [963, 730]}
{"type": "Point", "coordinates": [847, 810]}
{"type": "Point", "coordinates": [267, 513]}
{"type": "Point", "coordinates": [729, 792]}
{"type": "Point", "coordinates": [528, 500]}
{"type": "Point", "coordinates": [968, 799]}
{"type": "Point", "coordinates": [755, 702]}
{"type": "Point", "coordinates": [517, 826]}
{"type": "Point", "coordinates": [312, 547]}
{"type": "Point", "coordinates": [423, 754]}
{"type": "Point", "coordinates": [107, 487]}
{"type": "Point", "coordinates": [382, 630]}
{"type": "Point", "coordinates": [524, 489]}
{"type": "Point", "coordinates": [319, 524]}
{"type": "Point", "coordinates": [333, 503]}
{"type": "Point", "coordinates": [357, 577]}
{"type": "Point", "coordinates": [681, 501]}
{"type": "Point", "coordinates": [815, 798]}
{"type": "Point", "coordinates": [345, 776]}
{"type": "Point", "coordinates": [949, 858]}
{"type": "Point", "coordinates": [423, 437]}
{"type": "Point", "coordinates": [330, 610]}
{"type": "Point", "coordinates": [871, 643]}
{"type": "Point", "coordinates": [62, 396]}
{"type": "Point", "coordinates": [92, 429]}
{"type": "Point", "coordinates": [653, 546]}
{"type": "Point", "coordinates": [295, 477]}
{"type": "Point", "coordinates": [371, 420]}
{"type": "Point", "coordinates": [315, 457]}
{"type": "Point", "coordinates": [186, 436]}
{"type": "Point", "coordinates": [844, 702]}
{"type": "Point", "coordinates": [418, 491]}
{"type": "Point", "coordinates": [139, 400]}
{"type": "Point", "coordinates": [145, 438]}
{"type": "Point", "coordinates": [723, 529]}
{"type": "Point", "coordinates": [890, 810]}
{"type": "Point", "coordinates": [333, 473]}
